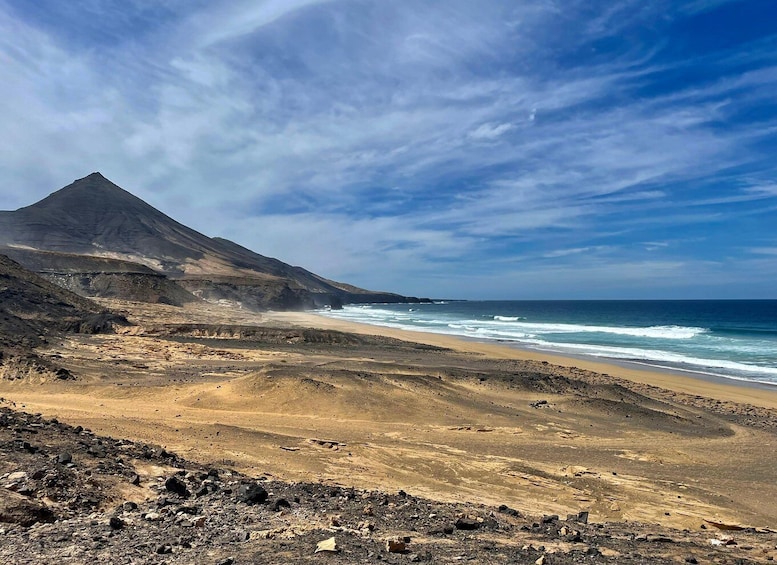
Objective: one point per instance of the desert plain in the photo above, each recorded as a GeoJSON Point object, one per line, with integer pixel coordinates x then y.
{"type": "Point", "coordinates": [301, 397]}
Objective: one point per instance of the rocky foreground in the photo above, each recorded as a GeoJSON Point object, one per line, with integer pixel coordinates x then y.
{"type": "Point", "coordinates": [69, 496]}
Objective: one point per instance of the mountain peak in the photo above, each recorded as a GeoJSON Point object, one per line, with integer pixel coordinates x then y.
{"type": "Point", "coordinates": [92, 216]}
{"type": "Point", "coordinates": [92, 192]}
{"type": "Point", "coordinates": [90, 213]}
{"type": "Point", "coordinates": [93, 181]}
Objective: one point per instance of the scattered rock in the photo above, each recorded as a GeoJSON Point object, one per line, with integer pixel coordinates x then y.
{"type": "Point", "coordinates": [466, 523]}
{"type": "Point", "coordinates": [18, 509]}
{"type": "Point", "coordinates": [327, 545]}
{"type": "Point", "coordinates": [280, 504]}
{"type": "Point", "coordinates": [218, 524]}
{"type": "Point", "coordinates": [396, 545]}
{"type": "Point", "coordinates": [251, 493]}
{"type": "Point", "coordinates": [16, 477]}
{"type": "Point", "coordinates": [177, 486]}
{"type": "Point", "coordinates": [164, 549]}
{"type": "Point", "coordinates": [97, 451]}
{"type": "Point", "coordinates": [504, 509]}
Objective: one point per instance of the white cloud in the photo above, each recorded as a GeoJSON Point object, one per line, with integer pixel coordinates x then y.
{"type": "Point", "coordinates": [384, 138]}
{"type": "Point", "coordinates": [490, 131]}
{"type": "Point", "coordinates": [763, 251]}
{"type": "Point", "coordinates": [224, 22]}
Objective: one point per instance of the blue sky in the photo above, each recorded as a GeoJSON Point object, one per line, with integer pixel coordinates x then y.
{"type": "Point", "coordinates": [449, 148]}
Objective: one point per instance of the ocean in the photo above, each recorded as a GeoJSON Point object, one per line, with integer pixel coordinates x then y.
{"type": "Point", "coordinates": [734, 339]}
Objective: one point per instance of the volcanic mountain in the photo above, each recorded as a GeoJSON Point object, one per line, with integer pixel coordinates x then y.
{"type": "Point", "coordinates": [99, 240]}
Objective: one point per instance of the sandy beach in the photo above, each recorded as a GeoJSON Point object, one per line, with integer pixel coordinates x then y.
{"type": "Point", "coordinates": [686, 382]}
{"type": "Point", "coordinates": [301, 397]}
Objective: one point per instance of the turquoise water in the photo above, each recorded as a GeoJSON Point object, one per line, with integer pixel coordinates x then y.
{"type": "Point", "coordinates": [726, 338]}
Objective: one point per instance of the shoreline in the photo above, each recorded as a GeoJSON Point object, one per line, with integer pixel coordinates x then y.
{"type": "Point", "coordinates": [301, 397]}
{"type": "Point", "coordinates": [649, 367]}
{"type": "Point", "coordinates": [677, 380]}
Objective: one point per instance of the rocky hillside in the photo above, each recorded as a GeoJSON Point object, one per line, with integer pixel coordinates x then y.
{"type": "Point", "coordinates": [31, 307]}
{"type": "Point", "coordinates": [96, 220]}
{"type": "Point", "coordinates": [32, 310]}
{"type": "Point", "coordinates": [102, 277]}
{"type": "Point", "coordinates": [68, 495]}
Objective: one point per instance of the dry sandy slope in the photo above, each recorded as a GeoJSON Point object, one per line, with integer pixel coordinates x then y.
{"type": "Point", "coordinates": [718, 389]}
{"type": "Point", "coordinates": [451, 425]}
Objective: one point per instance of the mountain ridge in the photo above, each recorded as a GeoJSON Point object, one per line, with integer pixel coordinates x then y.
{"type": "Point", "coordinates": [95, 218]}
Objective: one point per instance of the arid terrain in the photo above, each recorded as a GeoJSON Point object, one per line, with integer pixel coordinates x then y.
{"type": "Point", "coordinates": [461, 428]}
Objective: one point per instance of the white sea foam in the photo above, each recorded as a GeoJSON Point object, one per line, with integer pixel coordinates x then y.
{"type": "Point", "coordinates": [655, 332]}
{"type": "Point", "coordinates": [699, 342]}
{"type": "Point", "coordinates": [677, 360]}
{"type": "Point", "coordinates": [507, 324]}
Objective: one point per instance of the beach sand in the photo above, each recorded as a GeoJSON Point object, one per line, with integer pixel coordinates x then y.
{"type": "Point", "coordinates": [436, 416]}
{"type": "Point", "coordinates": [678, 381]}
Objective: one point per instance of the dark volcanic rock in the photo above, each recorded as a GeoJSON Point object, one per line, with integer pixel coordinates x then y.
{"type": "Point", "coordinates": [251, 493]}
{"type": "Point", "coordinates": [280, 504]}
{"type": "Point", "coordinates": [18, 509]}
{"type": "Point", "coordinates": [177, 486]}
{"type": "Point", "coordinates": [467, 524]}
{"type": "Point", "coordinates": [95, 524]}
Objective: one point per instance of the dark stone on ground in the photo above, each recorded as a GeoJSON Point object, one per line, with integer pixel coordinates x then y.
{"type": "Point", "coordinates": [18, 509]}
{"type": "Point", "coordinates": [251, 493]}
{"type": "Point", "coordinates": [467, 524]}
{"type": "Point", "coordinates": [177, 486]}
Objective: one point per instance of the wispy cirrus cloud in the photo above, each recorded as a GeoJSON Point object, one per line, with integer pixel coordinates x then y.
{"type": "Point", "coordinates": [394, 141]}
{"type": "Point", "coordinates": [763, 250]}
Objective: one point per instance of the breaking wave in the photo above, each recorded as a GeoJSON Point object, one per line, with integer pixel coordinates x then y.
{"type": "Point", "coordinates": [687, 347]}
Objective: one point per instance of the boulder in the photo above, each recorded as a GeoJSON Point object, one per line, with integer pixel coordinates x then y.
{"type": "Point", "coordinates": [177, 486]}
{"type": "Point", "coordinates": [17, 509]}
{"type": "Point", "coordinates": [251, 493]}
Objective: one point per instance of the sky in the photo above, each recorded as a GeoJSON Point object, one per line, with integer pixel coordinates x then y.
{"type": "Point", "coordinates": [539, 149]}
